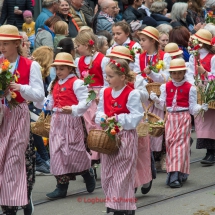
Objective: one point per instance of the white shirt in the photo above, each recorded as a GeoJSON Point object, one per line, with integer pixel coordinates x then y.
{"type": "Point", "coordinates": [126, 43]}
{"type": "Point", "coordinates": [160, 77]}
{"type": "Point", "coordinates": [140, 85]}
{"type": "Point", "coordinates": [35, 90]}
{"type": "Point", "coordinates": [80, 91]}
{"type": "Point", "coordinates": [146, 9]}
{"type": "Point", "coordinates": [128, 121]}
{"type": "Point", "coordinates": [194, 108]}
{"type": "Point", "coordinates": [87, 60]}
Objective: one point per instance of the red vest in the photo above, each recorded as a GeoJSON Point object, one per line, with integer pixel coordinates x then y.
{"type": "Point", "coordinates": [142, 59]}
{"type": "Point", "coordinates": [24, 68]}
{"type": "Point", "coordinates": [131, 44]}
{"type": "Point", "coordinates": [182, 97]}
{"type": "Point", "coordinates": [64, 95]}
{"type": "Point", "coordinates": [116, 105]}
{"type": "Point", "coordinates": [206, 62]}
{"type": "Point", "coordinates": [131, 85]}
{"type": "Point", "coordinates": [96, 69]}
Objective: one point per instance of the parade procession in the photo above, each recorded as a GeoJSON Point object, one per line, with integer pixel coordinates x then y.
{"type": "Point", "coordinates": [107, 107]}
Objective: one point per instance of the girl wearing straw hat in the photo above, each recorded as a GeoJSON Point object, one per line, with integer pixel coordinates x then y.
{"type": "Point", "coordinates": [143, 174]}
{"type": "Point", "coordinates": [15, 128]}
{"type": "Point", "coordinates": [149, 40]}
{"type": "Point", "coordinates": [68, 155]}
{"type": "Point", "coordinates": [180, 99]}
{"type": "Point", "coordinates": [204, 128]}
{"type": "Point", "coordinates": [123, 103]}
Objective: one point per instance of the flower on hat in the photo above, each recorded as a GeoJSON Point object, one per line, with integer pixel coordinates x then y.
{"type": "Point", "coordinates": [91, 42]}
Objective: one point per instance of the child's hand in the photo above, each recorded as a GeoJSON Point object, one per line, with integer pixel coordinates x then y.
{"type": "Point", "coordinates": [201, 70]}
{"type": "Point", "coordinates": [5, 93]}
{"type": "Point", "coordinates": [147, 70]}
{"type": "Point", "coordinates": [67, 110]}
{"type": "Point", "coordinates": [103, 119]}
{"type": "Point", "coordinates": [111, 118]}
{"type": "Point", "coordinates": [15, 87]}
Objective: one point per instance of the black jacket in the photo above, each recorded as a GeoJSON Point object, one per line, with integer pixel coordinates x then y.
{"type": "Point", "coordinates": [161, 19]}
{"type": "Point", "coordinates": [131, 14]}
{"type": "Point", "coordinates": [73, 32]}
{"type": "Point", "coordinates": [9, 15]}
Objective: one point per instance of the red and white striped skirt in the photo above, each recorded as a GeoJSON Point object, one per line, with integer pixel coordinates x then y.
{"type": "Point", "coordinates": [143, 168]}
{"type": "Point", "coordinates": [177, 130]}
{"type": "Point", "coordinates": [67, 149]}
{"type": "Point", "coordinates": [14, 139]}
{"type": "Point", "coordinates": [118, 173]}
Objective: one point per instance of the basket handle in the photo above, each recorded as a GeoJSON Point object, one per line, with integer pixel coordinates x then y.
{"type": "Point", "coordinates": [146, 111]}
{"type": "Point", "coordinates": [165, 80]}
{"type": "Point", "coordinates": [150, 105]}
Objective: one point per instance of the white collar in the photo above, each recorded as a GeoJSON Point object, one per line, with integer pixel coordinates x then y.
{"type": "Point", "coordinates": [178, 84]}
{"type": "Point", "coordinates": [115, 94]}
{"type": "Point", "coordinates": [203, 51]}
{"type": "Point", "coordinates": [63, 81]}
{"type": "Point", "coordinates": [125, 43]}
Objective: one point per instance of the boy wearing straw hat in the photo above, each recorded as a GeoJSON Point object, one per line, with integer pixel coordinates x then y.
{"type": "Point", "coordinates": [15, 128]}
{"type": "Point", "coordinates": [180, 99]}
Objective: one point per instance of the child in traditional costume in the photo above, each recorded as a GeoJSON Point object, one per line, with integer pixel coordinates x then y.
{"type": "Point", "coordinates": [180, 99]}
{"type": "Point", "coordinates": [68, 155]}
{"type": "Point", "coordinates": [122, 102]}
{"type": "Point", "coordinates": [15, 127]}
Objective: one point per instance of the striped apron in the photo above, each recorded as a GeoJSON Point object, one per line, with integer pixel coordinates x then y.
{"type": "Point", "coordinates": [118, 171]}
{"type": "Point", "coordinates": [177, 128]}
{"type": "Point", "coordinates": [143, 168]}
{"type": "Point", "coordinates": [14, 139]}
{"type": "Point", "coordinates": [67, 149]}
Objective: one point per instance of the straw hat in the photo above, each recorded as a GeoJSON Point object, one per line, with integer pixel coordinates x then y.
{"type": "Point", "coordinates": [150, 32]}
{"type": "Point", "coordinates": [203, 36]}
{"type": "Point", "coordinates": [120, 52]}
{"type": "Point", "coordinates": [9, 32]}
{"type": "Point", "coordinates": [63, 58]}
{"type": "Point", "coordinates": [173, 49]}
{"type": "Point", "coordinates": [177, 65]}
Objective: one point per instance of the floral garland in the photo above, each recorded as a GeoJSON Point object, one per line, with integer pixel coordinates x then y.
{"type": "Point", "coordinates": [118, 65]}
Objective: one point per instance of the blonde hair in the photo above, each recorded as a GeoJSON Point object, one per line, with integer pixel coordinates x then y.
{"type": "Point", "coordinates": [44, 62]}
{"type": "Point", "coordinates": [129, 76]}
{"type": "Point", "coordinates": [158, 7]}
{"type": "Point", "coordinates": [60, 27]}
{"type": "Point", "coordinates": [86, 28]}
{"type": "Point", "coordinates": [162, 33]}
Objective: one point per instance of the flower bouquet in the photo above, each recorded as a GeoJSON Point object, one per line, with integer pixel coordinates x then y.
{"type": "Point", "coordinates": [156, 67]}
{"type": "Point", "coordinates": [210, 17]}
{"type": "Point", "coordinates": [134, 51]}
{"type": "Point", "coordinates": [88, 79]}
{"type": "Point", "coordinates": [112, 127]}
{"type": "Point", "coordinates": [6, 77]}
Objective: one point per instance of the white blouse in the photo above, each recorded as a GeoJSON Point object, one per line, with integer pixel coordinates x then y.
{"type": "Point", "coordinates": [87, 60]}
{"type": "Point", "coordinates": [140, 85]}
{"type": "Point", "coordinates": [191, 70]}
{"type": "Point", "coordinates": [128, 121]}
{"type": "Point", "coordinates": [80, 91]}
{"type": "Point", "coordinates": [194, 108]}
{"type": "Point", "coordinates": [160, 77]}
{"type": "Point", "coordinates": [35, 90]}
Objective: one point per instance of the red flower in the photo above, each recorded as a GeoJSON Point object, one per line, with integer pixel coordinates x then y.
{"type": "Point", "coordinates": [91, 42]}
{"type": "Point", "coordinates": [123, 69]}
{"type": "Point", "coordinates": [116, 129]}
{"type": "Point", "coordinates": [197, 47]}
{"type": "Point", "coordinates": [118, 65]}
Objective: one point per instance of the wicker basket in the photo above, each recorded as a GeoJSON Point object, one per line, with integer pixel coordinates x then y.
{"type": "Point", "coordinates": [211, 105]}
{"type": "Point", "coordinates": [156, 130]}
{"type": "Point", "coordinates": [142, 129]}
{"type": "Point", "coordinates": [155, 87]}
{"type": "Point", "coordinates": [99, 141]}
{"type": "Point", "coordinates": [39, 128]}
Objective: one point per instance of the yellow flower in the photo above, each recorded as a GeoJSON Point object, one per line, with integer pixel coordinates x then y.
{"type": "Point", "coordinates": [16, 78]}
{"type": "Point", "coordinates": [13, 95]}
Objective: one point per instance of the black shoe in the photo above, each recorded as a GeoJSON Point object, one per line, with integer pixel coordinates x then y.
{"type": "Point", "coordinates": [29, 210]}
{"type": "Point", "coordinates": [118, 213]}
{"type": "Point", "coordinates": [95, 173]}
{"type": "Point", "coordinates": [59, 192]}
{"type": "Point", "coordinates": [135, 190]}
{"type": "Point", "coordinates": [90, 181]}
{"type": "Point", "coordinates": [184, 180]}
{"type": "Point", "coordinates": [175, 184]}
{"type": "Point", "coordinates": [42, 169]}
{"type": "Point", "coordinates": [145, 190]}
{"type": "Point", "coordinates": [208, 159]}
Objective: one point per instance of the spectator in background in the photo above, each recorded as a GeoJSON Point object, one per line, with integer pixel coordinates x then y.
{"type": "Point", "coordinates": [1, 4]}
{"type": "Point", "coordinates": [102, 44]}
{"type": "Point", "coordinates": [49, 8]}
{"type": "Point", "coordinates": [61, 31]}
{"type": "Point", "coordinates": [105, 19]}
{"type": "Point", "coordinates": [29, 26]}
{"type": "Point", "coordinates": [107, 35]}
{"type": "Point", "coordinates": [180, 35]}
{"type": "Point", "coordinates": [210, 5]}
{"type": "Point", "coordinates": [45, 36]}
{"type": "Point", "coordinates": [132, 14]}
{"type": "Point", "coordinates": [164, 28]}
{"type": "Point", "coordinates": [158, 12]}
{"type": "Point", "coordinates": [146, 6]}
{"type": "Point", "coordinates": [77, 13]}
{"type": "Point", "coordinates": [163, 39]}
{"type": "Point", "coordinates": [88, 12]}
{"type": "Point", "coordinates": [12, 15]}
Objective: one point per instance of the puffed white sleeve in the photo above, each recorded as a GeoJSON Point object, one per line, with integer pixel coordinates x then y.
{"type": "Point", "coordinates": [104, 63]}
{"type": "Point", "coordinates": [131, 120]}
{"type": "Point", "coordinates": [212, 66]}
{"type": "Point", "coordinates": [137, 46]}
{"type": "Point", "coordinates": [163, 75]}
{"type": "Point", "coordinates": [81, 92]}
{"type": "Point", "coordinates": [100, 108]}
{"type": "Point", "coordinates": [162, 98]}
{"type": "Point", "coordinates": [49, 98]}
{"type": "Point", "coordinates": [194, 108]}
{"type": "Point", "coordinates": [190, 71]}
{"type": "Point", "coordinates": [77, 68]}
{"type": "Point", "coordinates": [137, 63]}
{"type": "Point", "coordinates": [139, 85]}
{"type": "Point", "coordinates": [35, 90]}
